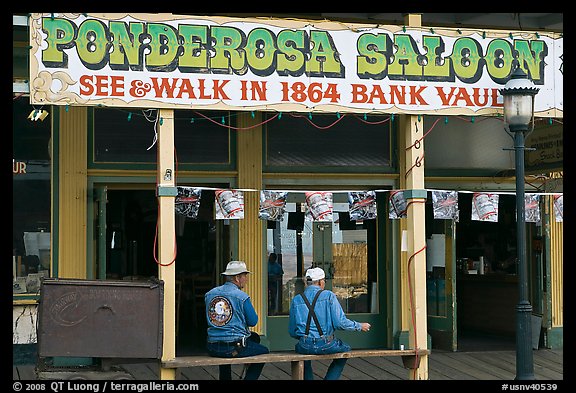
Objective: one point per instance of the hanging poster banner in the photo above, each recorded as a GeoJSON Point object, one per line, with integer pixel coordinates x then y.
{"type": "Point", "coordinates": [445, 205]}
{"type": "Point", "coordinates": [319, 206]}
{"type": "Point", "coordinates": [485, 207]}
{"type": "Point", "coordinates": [272, 205]}
{"type": "Point", "coordinates": [398, 205]}
{"type": "Point", "coordinates": [229, 204]}
{"type": "Point", "coordinates": [245, 64]}
{"type": "Point", "coordinates": [532, 207]}
{"type": "Point", "coordinates": [559, 208]}
{"type": "Point", "coordinates": [187, 202]}
{"type": "Point", "coordinates": [362, 205]}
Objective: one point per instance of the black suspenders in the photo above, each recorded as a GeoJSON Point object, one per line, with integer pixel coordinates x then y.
{"type": "Point", "coordinates": [312, 314]}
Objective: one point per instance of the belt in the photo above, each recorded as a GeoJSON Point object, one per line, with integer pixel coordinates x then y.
{"type": "Point", "coordinates": [323, 338]}
{"type": "Point", "coordinates": [238, 343]}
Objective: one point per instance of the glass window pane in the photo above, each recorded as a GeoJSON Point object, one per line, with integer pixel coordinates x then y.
{"type": "Point", "coordinates": [291, 241]}
{"type": "Point", "coordinates": [350, 258]}
{"type": "Point", "coordinates": [124, 135]}
{"type": "Point", "coordinates": [129, 136]}
{"type": "Point", "coordinates": [20, 51]}
{"type": "Point", "coordinates": [202, 140]}
{"type": "Point", "coordinates": [346, 247]}
{"type": "Point", "coordinates": [326, 141]}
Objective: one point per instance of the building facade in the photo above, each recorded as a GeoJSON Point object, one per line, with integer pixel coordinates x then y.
{"type": "Point", "coordinates": [344, 145]}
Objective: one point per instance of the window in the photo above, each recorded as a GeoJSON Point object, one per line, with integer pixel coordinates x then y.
{"type": "Point", "coordinates": [345, 249]}
{"type": "Point", "coordinates": [324, 140]}
{"type": "Point", "coordinates": [31, 163]}
{"type": "Point", "coordinates": [129, 136]}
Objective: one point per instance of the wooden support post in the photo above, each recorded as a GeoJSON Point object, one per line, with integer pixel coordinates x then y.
{"type": "Point", "coordinates": [412, 173]}
{"type": "Point", "coordinates": [415, 194]}
{"type": "Point", "coordinates": [298, 370]}
{"type": "Point", "coordinates": [166, 235]}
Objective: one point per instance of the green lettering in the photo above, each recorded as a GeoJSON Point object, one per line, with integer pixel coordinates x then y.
{"type": "Point", "coordinates": [373, 52]}
{"type": "Point", "coordinates": [126, 46]}
{"type": "Point", "coordinates": [163, 54]}
{"type": "Point", "coordinates": [530, 57]}
{"type": "Point", "coordinates": [499, 59]}
{"type": "Point", "coordinates": [405, 59]}
{"type": "Point", "coordinates": [291, 46]}
{"type": "Point", "coordinates": [436, 67]}
{"type": "Point", "coordinates": [230, 54]}
{"type": "Point", "coordinates": [323, 56]}
{"type": "Point", "coordinates": [92, 44]}
{"type": "Point", "coordinates": [195, 55]}
{"type": "Point", "coordinates": [60, 35]}
{"type": "Point", "coordinates": [261, 51]}
{"type": "Point", "coordinates": [465, 58]}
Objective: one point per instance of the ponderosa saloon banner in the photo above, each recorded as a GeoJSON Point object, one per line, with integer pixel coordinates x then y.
{"type": "Point", "coordinates": [179, 62]}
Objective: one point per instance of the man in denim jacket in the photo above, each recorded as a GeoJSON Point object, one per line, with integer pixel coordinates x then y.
{"type": "Point", "coordinates": [230, 313]}
{"type": "Point", "coordinates": [314, 317]}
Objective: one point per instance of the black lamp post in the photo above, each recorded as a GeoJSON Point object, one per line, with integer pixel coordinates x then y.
{"type": "Point", "coordinates": [519, 93]}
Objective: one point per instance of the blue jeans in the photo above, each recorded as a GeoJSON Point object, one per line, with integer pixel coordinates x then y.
{"type": "Point", "coordinates": [228, 350]}
{"type": "Point", "coordinates": [323, 346]}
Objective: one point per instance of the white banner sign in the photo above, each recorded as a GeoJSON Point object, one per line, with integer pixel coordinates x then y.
{"type": "Point", "coordinates": [183, 62]}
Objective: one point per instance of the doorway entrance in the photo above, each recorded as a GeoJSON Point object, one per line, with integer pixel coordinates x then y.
{"type": "Point", "coordinates": [487, 278]}
{"type": "Point", "coordinates": [130, 238]}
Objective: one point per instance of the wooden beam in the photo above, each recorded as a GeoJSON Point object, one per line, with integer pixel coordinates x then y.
{"type": "Point", "coordinates": [166, 234]}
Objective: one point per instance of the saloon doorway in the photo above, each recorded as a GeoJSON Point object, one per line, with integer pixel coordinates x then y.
{"type": "Point", "coordinates": [201, 250]}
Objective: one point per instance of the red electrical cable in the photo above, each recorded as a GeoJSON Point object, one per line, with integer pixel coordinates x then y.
{"type": "Point", "coordinates": [316, 126]}
{"type": "Point", "coordinates": [155, 241]}
{"type": "Point", "coordinates": [157, 219]}
{"type": "Point", "coordinates": [412, 304]}
{"type": "Point", "coordinates": [238, 128]}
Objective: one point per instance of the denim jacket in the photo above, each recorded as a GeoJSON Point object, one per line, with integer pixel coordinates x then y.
{"type": "Point", "coordinates": [229, 313]}
{"type": "Point", "coordinates": [329, 312]}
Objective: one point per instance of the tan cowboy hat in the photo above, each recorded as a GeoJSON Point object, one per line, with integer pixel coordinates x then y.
{"type": "Point", "coordinates": [235, 267]}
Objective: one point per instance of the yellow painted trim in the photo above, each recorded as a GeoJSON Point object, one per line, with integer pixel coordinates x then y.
{"type": "Point", "coordinates": [167, 236]}
{"type": "Point", "coordinates": [250, 229]}
{"type": "Point", "coordinates": [556, 268]}
{"type": "Point", "coordinates": [146, 173]}
{"type": "Point", "coordinates": [26, 302]}
{"type": "Point", "coordinates": [355, 176]}
{"type": "Point", "coordinates": [72, 191]}
{"type": "Point", "coordinates": [473, 179]}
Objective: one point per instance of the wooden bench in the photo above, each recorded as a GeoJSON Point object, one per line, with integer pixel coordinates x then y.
{"type": "Point", "coordinates": [410, 359]}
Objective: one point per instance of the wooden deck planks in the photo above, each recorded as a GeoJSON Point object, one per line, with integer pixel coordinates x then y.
{"type": "Point", "coordinates": [372, 371]}
{"type": "Point", "coordinates": [274, 372]}
{"type": "Point", "coordinates": [392, 368]}
{"type": "Point", "coordinates": [27, 372]}
{"type": "Point", "coordinates": [468, 366]}
{"type": "Point", "coordinates": [142, 371]}
{"type": "Point", "coordinates": [489, 372]}
{"type": "Point", "coordinates": [499, 361]}
{"type": "Point", "coordinates": [474, 365]}
{"type": "Point", "coordinates": [194, 374]}
{"type": "Point", "coordinates": [450, 368]}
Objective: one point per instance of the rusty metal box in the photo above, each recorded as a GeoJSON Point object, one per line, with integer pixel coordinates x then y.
{"type": "Point", "coordinates": [100, 318]}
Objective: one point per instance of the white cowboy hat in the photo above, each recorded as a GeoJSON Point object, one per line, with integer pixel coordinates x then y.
{"type": "Point", "coordinates": [235, 267]}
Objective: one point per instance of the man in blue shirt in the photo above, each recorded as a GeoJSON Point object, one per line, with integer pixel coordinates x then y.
{"type": "Point", "coordinates": [230, 313]}
{"type": "Point", "coordinates": [275, 273]}
{"type": "Point", "coordinates": [314, 317]}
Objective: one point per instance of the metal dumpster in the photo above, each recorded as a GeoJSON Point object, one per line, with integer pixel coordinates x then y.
{"type": "Point", "coordinates": [100, 318]}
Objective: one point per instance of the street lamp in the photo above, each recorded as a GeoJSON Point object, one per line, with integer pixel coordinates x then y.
{"type": "Point", "coordinates": [519, 93]}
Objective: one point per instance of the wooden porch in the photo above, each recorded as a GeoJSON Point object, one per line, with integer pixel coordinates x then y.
{"type": "Point", "coordinates": [443, 365]}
